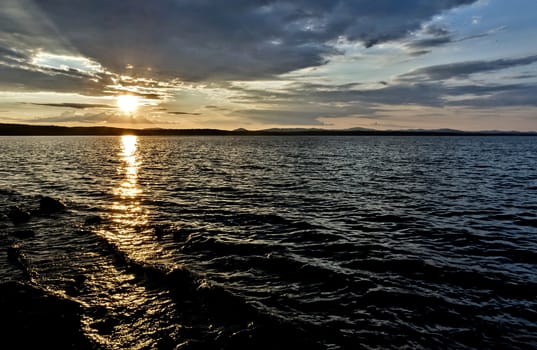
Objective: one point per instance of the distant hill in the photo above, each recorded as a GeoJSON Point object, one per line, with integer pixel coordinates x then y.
{"type": "Point", "coordinates": [52, 130]}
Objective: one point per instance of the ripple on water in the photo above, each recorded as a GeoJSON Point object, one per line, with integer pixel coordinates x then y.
{"type": "Point", "coordinates": [385, 242]}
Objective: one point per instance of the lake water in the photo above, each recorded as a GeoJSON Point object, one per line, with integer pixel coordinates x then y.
{"type": "Point", "coordinates": [352, 242]}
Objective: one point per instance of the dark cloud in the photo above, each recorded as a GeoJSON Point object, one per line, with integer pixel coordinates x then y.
{"type": "Point", "coordinates": [436, 30]}
{"type": "Point", "coordinates": [419, 52]}
{"type": "Point", "coordinates": [465, 69]}
{"type": "Point", "coordinates": [501, 96]}
{"type": "Point", "coordinates": [204, 40]}
{"type": "Point", "coordinates": [9, 55]}
{"type": "Point", "coordinates": [434, 36]}
{"type": "Point", "coordinates": [423, 44]}
{"type": "Point", "coordinates": [183, 113]}
{"type": "Point", "coordinates": [304, 105]}
{"type": "Point", "coordinates": [29, 78]}
{"type": "Point", "coordinates": [146, 95]}
{"type": "Point", "coordinates": [436, 94]}
{"type": "Point", "coordinates": [355, 98]}
{"type": "Point", "coordinates": [523, 76]}
{"type": "Point", "coordinates": [217, 108]}
{"type": "Point", "coordinates": [75, 105]}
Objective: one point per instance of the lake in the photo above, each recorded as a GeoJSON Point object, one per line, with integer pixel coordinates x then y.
{"type": "Point", "coordinates": [279, 241]}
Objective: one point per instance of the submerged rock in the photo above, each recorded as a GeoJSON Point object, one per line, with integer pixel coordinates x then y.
{"type": "Point", "coordinates": [14, 252]}
{"type": "Point", "coordinates": [49, 205]}
{"type": "Point", "coordinates": [159, 231]}
{"type": "Point", "coordinates": [18, 215]}
{"type": "Point", "coordinates": [24, 233]}
{"type": "Point", "coordinates": [93, 220]}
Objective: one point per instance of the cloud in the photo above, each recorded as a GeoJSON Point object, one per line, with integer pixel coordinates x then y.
{"type": "Point", "coordinates": [27, 78]}
{"type": "Point", "coordinates": [44, 72]}
{"type": "Point", "coordinates": [183, 113]}
{"type": "Point", "coordinates": [75, 105]}
{"type": "Point", "coordinates": [432, 36]}
{"type": "Point", "coordinates": [92, 118]}
{"type": "Point", "coordinates": [427, 43]}
{"type": "Point", "coordinates": [10, 56]}
{"type": "Point", "coordinates": [217, 40]}
{"type": "Point", "coordinates": [435, 30]}
{"type": "Point", "coordinates": [308, 104]}
{"type": "Point", "coordinates": [464, 69]}
{"type": "Point", "coordinates": [146, 95]}
{"type": "Point", "coordinates": [503, 96]}
{"type": "Point", "coordinates": [350, 96]}
{"type": "Point", "coordinates": [428, 37]}
{"type": "Point", "coordinates": [152, 49]}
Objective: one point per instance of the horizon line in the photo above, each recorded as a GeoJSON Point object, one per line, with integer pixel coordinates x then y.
{"type": "Point", "coordinates": [17, 129]}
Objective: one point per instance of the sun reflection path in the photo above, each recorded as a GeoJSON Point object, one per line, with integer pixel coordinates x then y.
{"type": "Point", "coordinates": [129, 187]}
{"type": "Point", "coordinates": [129, 229]}
{"type": "Point", "coordinates": [128, 211]}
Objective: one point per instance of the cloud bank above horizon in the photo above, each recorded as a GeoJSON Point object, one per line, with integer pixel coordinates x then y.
{"type": "Point", "coordinates": [462, 64]}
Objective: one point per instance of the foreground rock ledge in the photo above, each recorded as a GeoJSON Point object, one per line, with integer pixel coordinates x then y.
{"type": "Point", "coordinates": [33, 318]}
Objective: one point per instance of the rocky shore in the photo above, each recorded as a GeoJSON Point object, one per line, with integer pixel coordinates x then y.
{"type": "Point", "coordinates": [35, 317]}
{"type": "Point", "coordinates": [31, 316]}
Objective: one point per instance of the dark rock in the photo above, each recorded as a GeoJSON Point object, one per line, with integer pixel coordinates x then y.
{"type": "Point", "coordinates": [105, 326]}
{"type": "Point", "coordinates": [33, 318]}
{"type": "Point", "coordinates": [182, 279]}
{"type": "Point", "coordinates": [24, 233]}
{"type": "Point", "coordinates": [183, 233]}
{"type": "Point", "coordinates": [14, 252]}
{"type": "Point", "coordinates": [18, 215]}
{"type": "Point", "coordinates": [179, 235]}
{"type": "Point", "coordinates": [77, 284]}
{"type": "Point", "coordinates": [93, 220]}
{"type": "Point", "coordinates": [49, 205]}
{"type": "Point", "coordinates": [226, 306]}
{"type": "Point", "coordinates": [159, 231]}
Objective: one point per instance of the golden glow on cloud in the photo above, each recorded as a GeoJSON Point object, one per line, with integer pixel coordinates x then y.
{"type": "Point", "coordinates": [66, 62]}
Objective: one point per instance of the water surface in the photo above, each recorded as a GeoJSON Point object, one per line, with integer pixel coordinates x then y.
{"type": "Point", "coordinates": [360, 242]}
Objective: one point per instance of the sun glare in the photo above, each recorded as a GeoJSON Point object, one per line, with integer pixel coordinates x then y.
{"type": "Point", "coordinates": [127, 103]}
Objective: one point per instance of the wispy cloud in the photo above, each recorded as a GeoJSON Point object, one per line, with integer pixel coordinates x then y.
{"type": "Point", "coordinates": [432, 36]}
{"type": "Point", "coordinates": [75, 105]}
{"type": "Point", "coordinates": [92, 118]}
{"type": "Point", "coordinates": [183, 113]}
{"type": "Point", "coordinates": [465, 69]}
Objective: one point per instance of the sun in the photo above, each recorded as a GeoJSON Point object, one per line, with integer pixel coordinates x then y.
{"type": "Point", "coordinates": [127, 103]}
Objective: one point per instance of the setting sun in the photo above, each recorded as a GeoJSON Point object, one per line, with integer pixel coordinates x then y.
{"type": "Point", "coordinates": [127, 103]}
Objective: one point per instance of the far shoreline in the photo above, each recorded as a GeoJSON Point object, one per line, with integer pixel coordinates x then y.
{"type": "Point", "coordinates": [52, 130]}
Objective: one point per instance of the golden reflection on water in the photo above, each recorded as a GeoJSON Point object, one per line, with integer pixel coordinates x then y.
{"type": "Point", "coordinates": [129, 166]}
{"type": "Point", "coordinates": [128, 210]}
{"type": "Point", "coordinates": [128, 233]}
{"type": "Point", "coordinates": [130, 230]}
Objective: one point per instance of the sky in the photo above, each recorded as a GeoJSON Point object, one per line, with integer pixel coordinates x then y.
{"type": "Point", "coordinates": [259, 64]}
